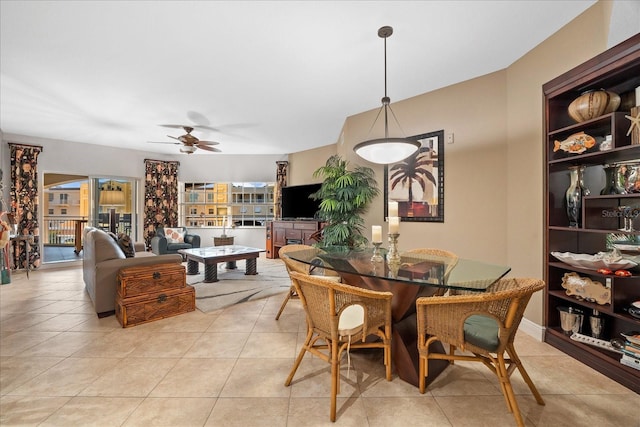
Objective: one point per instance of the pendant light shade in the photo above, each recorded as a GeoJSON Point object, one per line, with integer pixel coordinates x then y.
{"type": "Point", "coordinates": [386, 150]}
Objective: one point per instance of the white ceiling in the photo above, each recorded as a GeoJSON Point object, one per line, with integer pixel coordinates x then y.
{"type": "Point", "coordinates": [274, 77]}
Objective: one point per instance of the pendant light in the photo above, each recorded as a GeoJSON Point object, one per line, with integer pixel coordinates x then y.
{"type": "Point", "coordinates": [386, 150]}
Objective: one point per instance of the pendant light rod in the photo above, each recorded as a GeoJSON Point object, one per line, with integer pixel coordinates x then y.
{"type": "Point", "coordinates": [385, 32]}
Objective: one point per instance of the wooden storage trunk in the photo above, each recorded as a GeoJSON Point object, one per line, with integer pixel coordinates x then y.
{"type": "Point", "coordinates": [148, 293]}
{"type": "Point", "coordinates": [147, 308]}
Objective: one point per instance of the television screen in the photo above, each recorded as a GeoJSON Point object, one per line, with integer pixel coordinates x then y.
{"type": "Point", "coordinates": [296, 203]}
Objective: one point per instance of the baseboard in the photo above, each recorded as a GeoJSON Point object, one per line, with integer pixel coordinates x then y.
{"type": "Point", "coordinates": [533, 329]}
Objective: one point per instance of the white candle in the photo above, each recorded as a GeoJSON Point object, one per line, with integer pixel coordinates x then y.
{"type": "Point", "coordinates": [376, 234]}
{"type": "Point", "coordinates": [394, 224]}
{"type": "Point", "coordinates": [393, 209]}
{"type": "Point", "coordinates": [638, 96]}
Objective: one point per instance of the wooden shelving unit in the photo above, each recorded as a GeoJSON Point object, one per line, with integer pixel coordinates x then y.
{"type": "Point", "coordinates": [616, 70]}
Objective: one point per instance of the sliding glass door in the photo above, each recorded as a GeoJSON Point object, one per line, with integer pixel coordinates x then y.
{"type": "Point", "coordinates": [71, 202]}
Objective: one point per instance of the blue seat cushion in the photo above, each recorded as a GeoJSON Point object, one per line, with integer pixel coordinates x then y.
{"type": "Point", "coordinates": [482, 331]}
{"type": "Point", "coordinates": [178, 246]}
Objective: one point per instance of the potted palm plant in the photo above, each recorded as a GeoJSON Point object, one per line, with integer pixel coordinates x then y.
{"type": "Point", "coordinates": [345, 195]}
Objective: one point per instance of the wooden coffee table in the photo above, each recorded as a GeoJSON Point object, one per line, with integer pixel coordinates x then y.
{"type": "Point", "coordinates": [210, 257]}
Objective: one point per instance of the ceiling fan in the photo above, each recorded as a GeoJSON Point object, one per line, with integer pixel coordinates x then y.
{"type": "Point", "coordinates": [189, 142]}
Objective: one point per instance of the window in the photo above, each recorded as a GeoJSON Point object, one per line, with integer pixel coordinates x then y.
{"type": "Point", "coordinates": [50, 197]}
{"type": "Point", "coordinates": [64, 198]}
{"type": "Point", "coordinates": [50, 211]}
{"type": "Point", "coordinates": [63, 211]}
{"type": "Point", "coordinates": [214, 204]}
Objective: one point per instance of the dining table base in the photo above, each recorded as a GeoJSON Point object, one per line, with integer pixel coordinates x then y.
{"type": "Point", "coordinates": [404, 329]}
{"type": "Point", "coordinates": [404, 352]}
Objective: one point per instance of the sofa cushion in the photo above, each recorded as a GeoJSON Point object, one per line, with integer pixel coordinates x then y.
{"type": "Point", "coordinates": [105, 247]}
{"type": "Point", "coordinates": [174, 235]}
{"type": "Point", "coordinates": [125, 243]}
{"type": "Point", "coordinates": [172, 247]}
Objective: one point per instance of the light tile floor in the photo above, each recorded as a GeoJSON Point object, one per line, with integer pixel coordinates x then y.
{"type": "Point", "coordinates": [62, 366]}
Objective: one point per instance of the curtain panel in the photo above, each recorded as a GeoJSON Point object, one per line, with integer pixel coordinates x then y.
{"type": "Point", "coordinates": [160, 196]}
{"type": "Point", "coordinates": [24, 202]}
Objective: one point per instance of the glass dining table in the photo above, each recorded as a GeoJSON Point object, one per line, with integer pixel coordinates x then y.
{"type": "Point", "coordinates": [415, 275]}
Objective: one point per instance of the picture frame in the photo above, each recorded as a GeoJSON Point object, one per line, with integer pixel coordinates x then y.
{"type": "Point", "coordinates": [417, 183]}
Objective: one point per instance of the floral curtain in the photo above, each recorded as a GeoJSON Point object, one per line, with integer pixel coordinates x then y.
{"type": "Point", "coordinates": [160, 196]}
{"type": "Point", "coordinates": [24, 202]}
{"type": "Point", "coordinates": [281, 175]}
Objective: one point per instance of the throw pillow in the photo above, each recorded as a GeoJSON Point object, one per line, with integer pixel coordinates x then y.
{"type": "Point", "coordinates": [124, 241]}
{"type": "Point", "coordinates": [174, 235]}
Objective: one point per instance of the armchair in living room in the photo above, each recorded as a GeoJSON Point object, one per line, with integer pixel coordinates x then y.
{"type": "Point", "coordinates": [169, 240]}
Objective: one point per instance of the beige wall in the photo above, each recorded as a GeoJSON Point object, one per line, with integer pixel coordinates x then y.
{"type": "Point", "coordinates": [474, 112]}
{"type": "Point", "coordinates": [570, 46]}
{"type": "Point", "coordinates": [302, 165]}
{"type": "Point", "coordinates": [494, 169]}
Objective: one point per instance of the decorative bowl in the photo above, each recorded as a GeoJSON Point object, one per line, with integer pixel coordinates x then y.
{"type": "Point", "coordinates": [592, 104]}
{"type": "Point", "coordinates": [593, 262]}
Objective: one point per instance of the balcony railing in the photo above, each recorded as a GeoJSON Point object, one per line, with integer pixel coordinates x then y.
{"type": "Point", "coordinates": [63, 230]}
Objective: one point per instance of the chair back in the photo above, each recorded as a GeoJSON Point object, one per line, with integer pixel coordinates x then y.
{"type": "Point", "coordinates": [324, 300]}
{"type": "Point", "coordinates": [449, 258]}
{"type": "Point", "coordinates": [291, 264]}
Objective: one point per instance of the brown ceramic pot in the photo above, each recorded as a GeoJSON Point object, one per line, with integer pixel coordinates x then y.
{"type": "Point", "coordinates": [593, 104]}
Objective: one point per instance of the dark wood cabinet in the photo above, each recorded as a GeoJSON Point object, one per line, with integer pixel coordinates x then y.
{"type": "Point", "coordinates": [602, 221]}
{"type": "Point", "coordinates": [281, 233]}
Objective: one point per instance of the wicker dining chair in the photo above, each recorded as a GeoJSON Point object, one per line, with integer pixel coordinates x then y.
{"type": "Point", "coordinates": [448, 256]}
{"type": "Point", "coordinates": [293, 265]}
{"type": "Point", "coordinates": [340, 317]}
{"type": "Point", "coordinates": [484, 324]}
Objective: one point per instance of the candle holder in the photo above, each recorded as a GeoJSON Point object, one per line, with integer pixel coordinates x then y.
{"type": "Point", "coordinates": [376, 252]}
{"type": "Point", "coordinates": [394, 267]}
{"type": "Point", "coordinates": [393, 256]}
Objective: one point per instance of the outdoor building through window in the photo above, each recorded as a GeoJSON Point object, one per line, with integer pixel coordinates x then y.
{"type": "Point", "coordinates": [208, 204]}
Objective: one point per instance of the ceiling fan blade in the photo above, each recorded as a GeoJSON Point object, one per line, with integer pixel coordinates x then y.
{"type": "Point", "coordinates": [208, 142]}
{"type": "Point", "coordinates": [164, 142]}
{"type": "Point", "coordinates": [176, 126]}
{"type": "Point", "coordinates": [174, 137]}
{"type": "Point", "coordinates": [207, 148]}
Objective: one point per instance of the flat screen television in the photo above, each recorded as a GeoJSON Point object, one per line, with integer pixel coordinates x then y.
{"type": "Point", "coordinates": [296, 203]}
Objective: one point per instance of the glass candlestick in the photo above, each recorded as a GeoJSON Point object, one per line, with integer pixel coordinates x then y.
{"type": "Point", "coordinates": [376, 252]}
{"type": "Point", "coordinates": [393, 256]}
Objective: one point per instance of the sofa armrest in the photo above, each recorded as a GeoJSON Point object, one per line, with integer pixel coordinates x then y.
{"type": "Point", "coordinates": [192, 239]}
{"type": "Point", "coordinates": [159, 245]}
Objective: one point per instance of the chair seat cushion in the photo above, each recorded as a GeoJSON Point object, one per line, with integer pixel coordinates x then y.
{"type": "Point", "coordinates": [351, 320]}
{"type": "Point", "coordinates": [176, 246]}
{"type": "Point", "coordinates": [481, 331]}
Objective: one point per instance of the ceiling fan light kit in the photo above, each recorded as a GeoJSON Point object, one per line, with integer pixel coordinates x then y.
{"type": "Point", "coordinates": [189, 149]}
{"type": "Point", "coordinates": [386, 150]}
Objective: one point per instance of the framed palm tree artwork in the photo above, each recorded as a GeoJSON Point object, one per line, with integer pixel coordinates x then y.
{"type": "Point", "coordinates": [417, 182]}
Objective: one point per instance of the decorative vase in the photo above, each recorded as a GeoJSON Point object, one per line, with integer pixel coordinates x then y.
{"type": "Point", "coordinates": [611, 180]}
{"type": "Point", "coordinates": [574, 195]}
{"type": "Point", "coordinates": [592, 104]}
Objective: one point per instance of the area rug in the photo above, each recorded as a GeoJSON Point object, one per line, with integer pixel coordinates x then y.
{"type": "Point", "coordinates": [234, 287]}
